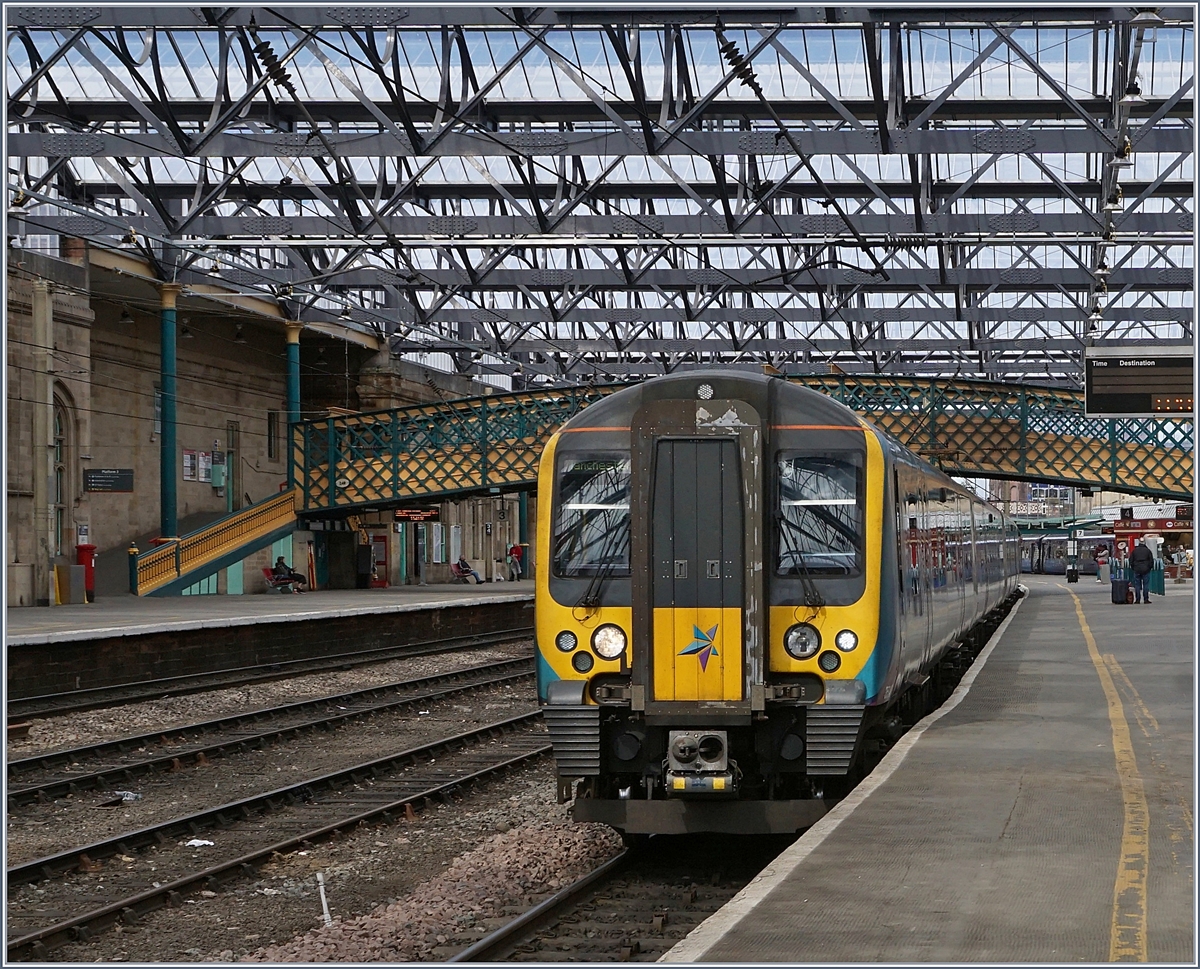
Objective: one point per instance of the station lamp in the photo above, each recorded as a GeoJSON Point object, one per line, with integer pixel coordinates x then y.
{"type": "Point", "coordinates": [1133, 94]}
{"type": "Point", "coordinates": [1147, 18]}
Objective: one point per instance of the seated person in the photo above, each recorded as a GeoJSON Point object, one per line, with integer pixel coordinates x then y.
{"type": "Point", "coordinates": [283, 571]}
{"type": "Point", "coordinates": [464, 569]}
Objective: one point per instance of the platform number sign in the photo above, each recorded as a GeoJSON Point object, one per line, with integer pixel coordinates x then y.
{"type": "Point", "coordinates": [1138, 383]}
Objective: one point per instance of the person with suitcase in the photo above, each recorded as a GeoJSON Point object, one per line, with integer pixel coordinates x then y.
{"type": "Point", "coordinates": [1141, 560]}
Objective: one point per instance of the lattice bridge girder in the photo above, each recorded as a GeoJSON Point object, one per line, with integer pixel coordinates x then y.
{"type": "Point", "coordinates": [460, 448]}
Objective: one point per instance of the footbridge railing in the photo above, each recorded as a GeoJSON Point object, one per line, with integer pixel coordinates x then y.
{"type": "Point", "coordinates": [972, 428]}
{"type": "Point", "coordinates": [174, 565]}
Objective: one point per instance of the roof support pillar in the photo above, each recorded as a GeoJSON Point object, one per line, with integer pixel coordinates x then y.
{"type": "Point", "coordinates": [168, 451]}
{"type": "Point", "coordinates": [293, 390]}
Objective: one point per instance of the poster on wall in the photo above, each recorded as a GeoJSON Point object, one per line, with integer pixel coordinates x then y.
{"type": "Point", "coordinates": [189, 465]}
{"type": "Point", "coordinates": [438, 547]}
{"type": "Point", "coordinates": [205, 466]}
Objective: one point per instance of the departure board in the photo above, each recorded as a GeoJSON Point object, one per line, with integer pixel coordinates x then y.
{"type": "Point", "coordinates": [1155, 382]}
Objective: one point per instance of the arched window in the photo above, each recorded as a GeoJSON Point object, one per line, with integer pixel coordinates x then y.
{"type": "Point", "coordinates": [61, 496]}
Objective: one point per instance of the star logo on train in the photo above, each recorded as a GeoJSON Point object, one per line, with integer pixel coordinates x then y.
{"type": "Point", "coordinates": [702, 646]}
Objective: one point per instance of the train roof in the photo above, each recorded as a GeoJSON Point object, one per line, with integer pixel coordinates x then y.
{"type": "Point", "coordinates": [779, 401]}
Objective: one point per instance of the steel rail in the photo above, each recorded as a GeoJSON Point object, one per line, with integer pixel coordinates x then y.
{"type": "Point", "coordinates": [199, 753]}
{"type": "Point", "coordinates": [128, 910]}
{"type": "Point", "coordinates": [56, 704]}
{"type": "Point", "coordinates": [491, 947]}
{"type": "Point", "coordinates": [52, 866]}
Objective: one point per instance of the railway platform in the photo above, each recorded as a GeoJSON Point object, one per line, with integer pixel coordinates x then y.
{"type": "Point", "coordinates": [1043, 814]}
{"type": "Point", "coordinates": [137, 615]}
{"type": "Point", "coordinates": [128, 638]}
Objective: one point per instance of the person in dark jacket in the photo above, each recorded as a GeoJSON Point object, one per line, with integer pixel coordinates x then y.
{"type": "Point", "coordinates": [1142, 562]}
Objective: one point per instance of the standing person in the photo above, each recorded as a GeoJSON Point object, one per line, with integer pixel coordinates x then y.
{"type": "Point", "coordinates": [1101, 563]}
{"type": "Point", "coordinates": [1142, 561]}
{"type": "Point", "coordinates": [514, 562]}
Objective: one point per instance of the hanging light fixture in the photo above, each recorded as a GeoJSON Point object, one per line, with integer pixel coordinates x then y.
{"type": "Point", "coordinates": [1133, 94]}
{"type": "Point", "coordinates": [126, 316]}
{"type": "Point", "coordinates": [1147, 18]}
{"type": "Point", "coordinates": [1102, 269]}
{"type": "Point", "coordinates": [1114, 200]}
{"type": "Point", "coordinates": [1124, 157]}
{"type": "Point", "coordinates": [185, 333]}
{"type": "Point", "coordinates": [237, 334]}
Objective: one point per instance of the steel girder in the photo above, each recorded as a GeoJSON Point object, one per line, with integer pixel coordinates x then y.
{"type": "Point", "coordinates": [471, 446]}
{"type": "Point", "coordinates": [914, 191]}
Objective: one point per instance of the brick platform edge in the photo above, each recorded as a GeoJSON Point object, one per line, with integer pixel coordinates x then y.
{"type": "Point", "coordinates": [47, 668]}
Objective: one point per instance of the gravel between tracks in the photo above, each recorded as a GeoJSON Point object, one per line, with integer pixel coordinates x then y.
{"type": "Point", "coordinates": [393, 889]}
{"type": "Point", "coordinates": [95, 726]}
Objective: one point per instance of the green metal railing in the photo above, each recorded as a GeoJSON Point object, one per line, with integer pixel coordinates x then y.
{"type": "Point", "coordinates": [976, 429]}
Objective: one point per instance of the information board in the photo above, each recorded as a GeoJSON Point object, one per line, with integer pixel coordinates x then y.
{"type": "Point", "coordinates": [1155, 382]}
{"type": "Point", "coordinates": [108, 479]}
{"type": "Point", "coordinates": [417, 514]}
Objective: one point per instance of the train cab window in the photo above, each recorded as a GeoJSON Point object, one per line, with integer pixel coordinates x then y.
{"type": "Point", "coordinates": [591, 515]}
{"type": "Point", "coordinates": [821, 505]}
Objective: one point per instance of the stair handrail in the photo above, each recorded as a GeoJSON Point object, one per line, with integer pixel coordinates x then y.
{"type": "Point", "coordinates": [175, 558]}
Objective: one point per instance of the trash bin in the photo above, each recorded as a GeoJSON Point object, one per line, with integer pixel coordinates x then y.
{"type": "Point", "coordinates": [85, 555]}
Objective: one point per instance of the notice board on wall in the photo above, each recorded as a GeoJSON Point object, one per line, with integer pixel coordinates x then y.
{"type": "Point", "coordinates": [108, 479]}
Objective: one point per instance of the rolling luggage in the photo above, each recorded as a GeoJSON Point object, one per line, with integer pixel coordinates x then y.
{"type": "Point", "coordinates": [1120, 592]}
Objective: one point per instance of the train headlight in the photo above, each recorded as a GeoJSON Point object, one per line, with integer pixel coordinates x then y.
{"type": "Point", "coordinates": [829, 662]}
{"type": "Point", "coordinates": [608, 641]}
{"type": "Point", "coordinates": [566, 640]}
{"type": "Point", "coordinates": [582, 661]}
{"type": "Point", "coordinates": [802, 641]}
{"type": "Point", "coordinates": [846, 640]}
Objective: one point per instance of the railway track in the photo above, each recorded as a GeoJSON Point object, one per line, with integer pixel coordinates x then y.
{"type": "Point", "coordinates": [22, 709]}
{"type": "Point", "coordinates": [633, 908]}
{"type": "Point", "coordinates": [255, 829]}
{"type": "Point", "coordinates": [35, 778]}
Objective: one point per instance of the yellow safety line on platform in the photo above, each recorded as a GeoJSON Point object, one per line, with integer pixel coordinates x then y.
{"type": "Point", "coordinates": [1127, 942]}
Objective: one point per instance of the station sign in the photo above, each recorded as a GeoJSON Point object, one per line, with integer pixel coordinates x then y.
{"type": "Point", "coordinates": [1152, 524]}
{"type": "Point", "coordinates": [418, 514]}
{"type": "Point", "coordinates": [1152, 382]}
{"type": "Point", "coordinates": [108, 479]}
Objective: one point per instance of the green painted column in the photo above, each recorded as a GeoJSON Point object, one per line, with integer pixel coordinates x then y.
{"type": "Point", "coordinates": [168, 464]}
{"type": "Point", "coordinates": [523, 534]}
{"type": "Point", "coordinates": [293, 394]}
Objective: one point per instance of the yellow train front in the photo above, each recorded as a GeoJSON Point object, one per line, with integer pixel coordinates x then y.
{"type": "Point", "coordinates": [739, 582]}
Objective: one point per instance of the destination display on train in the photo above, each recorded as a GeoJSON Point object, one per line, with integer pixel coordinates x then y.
{"type": "Point", "coordinates": [1153, 383]}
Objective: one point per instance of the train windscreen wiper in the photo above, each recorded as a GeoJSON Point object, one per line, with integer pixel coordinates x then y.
{"type": "Point", "coordinates": [812, 595]}
{"type": "Point", "coordinates": [608, 565]}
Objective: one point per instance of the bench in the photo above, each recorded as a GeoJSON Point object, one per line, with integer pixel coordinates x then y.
{"type": "Point", "coordinates": [460, 574]}
{"type": "Point", "coordinates": [283, 583]}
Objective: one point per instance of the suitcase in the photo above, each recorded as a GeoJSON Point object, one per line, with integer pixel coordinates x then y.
{"type": "Point", "coordinates": [1121, 592]}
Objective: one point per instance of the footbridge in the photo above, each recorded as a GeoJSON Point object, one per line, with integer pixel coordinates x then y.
{"type": "Point", "coordinates": [476, 445]}
{"type": "Point", "coordinates": [976, 429]}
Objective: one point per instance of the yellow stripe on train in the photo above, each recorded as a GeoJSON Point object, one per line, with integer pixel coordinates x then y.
{"type": "Point", "coordinates": [698, 654]}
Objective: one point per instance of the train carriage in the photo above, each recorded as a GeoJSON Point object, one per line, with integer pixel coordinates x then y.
{"type": "Point", "coordinates": [741, 582]}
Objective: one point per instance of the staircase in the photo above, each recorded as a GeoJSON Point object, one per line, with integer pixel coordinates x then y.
{"type": "Point", "coordinates": [170, 568]}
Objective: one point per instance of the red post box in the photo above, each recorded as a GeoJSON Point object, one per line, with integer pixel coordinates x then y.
{"type": "Point", "coordinates": [85, 555]}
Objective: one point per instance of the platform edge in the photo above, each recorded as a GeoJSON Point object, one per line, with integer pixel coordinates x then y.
{"type": "Point", "coordinates": [694, 946]}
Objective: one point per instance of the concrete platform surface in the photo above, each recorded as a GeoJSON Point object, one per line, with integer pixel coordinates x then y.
{"type": "Point", "coordinates": [1044, 814]}
{"type": "Point", "coordinates": [129, 615]}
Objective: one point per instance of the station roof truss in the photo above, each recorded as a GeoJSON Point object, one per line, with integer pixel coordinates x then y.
{"type": "Point", "coordinates": [564, 192]}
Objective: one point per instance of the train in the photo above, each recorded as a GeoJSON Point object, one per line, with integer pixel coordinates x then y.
{"type": "Point", "coordinates": [741, 585]}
